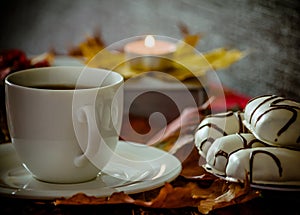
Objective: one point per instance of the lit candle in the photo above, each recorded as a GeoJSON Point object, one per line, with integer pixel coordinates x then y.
{"type": "Point", "coordinates": [150, 54]}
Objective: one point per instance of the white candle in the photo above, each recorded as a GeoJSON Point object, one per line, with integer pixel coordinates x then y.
{"type": "Point", "coordinates": [150, 54]}
{"type": "Point", "coordinates": [150, 46]}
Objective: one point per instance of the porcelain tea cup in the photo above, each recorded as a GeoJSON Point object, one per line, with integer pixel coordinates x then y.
{"type": "Point", "coordinates": [64, 122]}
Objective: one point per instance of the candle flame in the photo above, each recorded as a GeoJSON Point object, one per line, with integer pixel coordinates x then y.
{"type": "Point", "coordinates": [149, 41]}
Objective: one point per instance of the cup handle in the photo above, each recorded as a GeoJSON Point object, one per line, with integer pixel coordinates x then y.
{"type": "Point", "coordinates": [84, 115]}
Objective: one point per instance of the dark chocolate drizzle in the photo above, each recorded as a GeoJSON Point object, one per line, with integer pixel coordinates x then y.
{"type": "Point", "coordinates": [287, 125]}
{"type": "Point", "coordinates": [259, 105]}
{"type": "Point", "coordinates": [221, 153]}
{"type": "Point", "coordinates": [211, 140]}
{"type": "Point", "coordinates": [207, 140]}
{"type": "Point", "coordinates": [214, 126]}
{"type": "Point", "coordinates": [274, 105]}
{"type": "Point", "coordinates": [275, 158]}
{"type": "Point", "coordinates": [244, 141]}
{"type": "Point", "coordinates": [242, 128]}
{"type": "Point", "coordinates": [255, 141]}
{"type": "Point", "coordinates": [246, 145]}
{"type": "Point", "coordinates": [250, 143]}
{"type": "Point", "coordinates": [257, 97]}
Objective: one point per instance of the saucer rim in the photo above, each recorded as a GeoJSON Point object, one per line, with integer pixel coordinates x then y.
{"type": "Point", "coordinates": [8, 191]}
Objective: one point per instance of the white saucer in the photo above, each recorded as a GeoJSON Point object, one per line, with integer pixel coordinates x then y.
{"type": "Point", "coordinates": [16, 181]}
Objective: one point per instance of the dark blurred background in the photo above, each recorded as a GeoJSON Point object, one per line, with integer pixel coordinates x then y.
{"type": "Point", "coordinates": [270, 29]}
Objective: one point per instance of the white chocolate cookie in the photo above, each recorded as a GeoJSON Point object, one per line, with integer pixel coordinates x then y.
{"type": "Point", "coordinates": [215, 126]}
{"type": "Point", "coordinates": [274, 120]}
{"type": "Point", "coordinates": [223, 147]}
{"type": "Point", "coordinates": [265, 165]}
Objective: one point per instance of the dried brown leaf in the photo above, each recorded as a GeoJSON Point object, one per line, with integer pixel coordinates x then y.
{"type": "Point", "coordinates": [170, 197]}
{"type": "Point", "coordinates": [220, 194]}
{"type": "Point", "coordinates": [83, 199]}
{"type": "Point", "coordinates": [231, 194]}
{"type": "Point", "coordinates": [192, 165]}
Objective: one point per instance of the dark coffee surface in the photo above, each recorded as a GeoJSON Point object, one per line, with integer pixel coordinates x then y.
{"type": "Point", "coordinates": [59, 87]}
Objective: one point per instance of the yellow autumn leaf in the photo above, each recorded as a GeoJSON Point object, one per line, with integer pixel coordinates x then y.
{"type": "Point", "coordinates": [187, 46]}
{"type": "Point", "coordinates": [215, 54]}
{"type": "Point", "coordinates": [183, 49]}
{"type": "Point", "coordinates": [222, 58]}
{"type": "Point", "coordinates": [192, 39]}
{"type": "Point", "coordinates": [188, 62]}
{"type": "Point", "coordinates": [107, 59]}
{"type": "Point", "coordinates": [193, 62]}
{"type": "Point", "coordinates": [90, 47]}
{"type": "Point", "coordinates": [125, 70]}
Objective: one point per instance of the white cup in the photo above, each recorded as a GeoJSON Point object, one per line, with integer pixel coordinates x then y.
{"type": "Point", "coordinates": [64, 135]}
